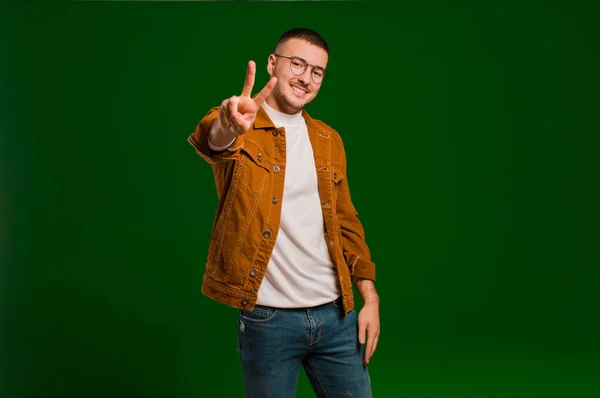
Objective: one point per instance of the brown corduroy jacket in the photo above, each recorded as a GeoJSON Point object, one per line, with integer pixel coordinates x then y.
{"type": "Point", "coordinates": [249, 178]}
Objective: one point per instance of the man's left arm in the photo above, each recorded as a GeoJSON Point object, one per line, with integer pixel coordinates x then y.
{"type": "Point", "coordinates": [362, 269]}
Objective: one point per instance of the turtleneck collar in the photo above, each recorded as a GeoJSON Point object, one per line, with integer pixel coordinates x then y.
{"type": "Point", "coordinates": [282, 119]}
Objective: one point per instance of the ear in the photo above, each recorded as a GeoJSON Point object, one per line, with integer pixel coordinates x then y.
{"type": "Point", "coordinates": [271, 64]}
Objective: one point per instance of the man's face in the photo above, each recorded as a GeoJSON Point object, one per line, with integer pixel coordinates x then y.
{"type": "Point", "coordinates": [293, 92]}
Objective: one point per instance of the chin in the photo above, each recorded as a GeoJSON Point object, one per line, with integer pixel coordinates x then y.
{"type": "Point", "coordinates": [298, 102]}
{"type": "Point", "coordinates": [292, 103]}
{"type": "Point", "coordinates": [296, 106]}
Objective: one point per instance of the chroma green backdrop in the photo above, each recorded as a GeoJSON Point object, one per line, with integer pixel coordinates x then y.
{"type": "Point", "coordinates": [472, 138]}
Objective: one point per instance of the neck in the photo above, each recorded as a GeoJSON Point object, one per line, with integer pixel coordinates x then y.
{"type": "Point", "coordinates": [281, 107]}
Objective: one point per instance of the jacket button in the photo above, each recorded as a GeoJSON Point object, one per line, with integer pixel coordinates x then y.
{"type": "Point", "coordinates": [274, 200]}
{"type": "Point", "coordinates": [245, 302]}
{"type": "Point", "coordinates": [259, 157]}
{"type": "Point", "coordinates": [267, 234]}
{"type": "Point", "coordinates": [254, 272]}
{"type": "Point", "coordinates": [276, 169]}
{"type": "Point", "coordinates": [275, 132]}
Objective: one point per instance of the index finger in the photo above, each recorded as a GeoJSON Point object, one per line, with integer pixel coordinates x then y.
{"type": "Point", "coordinates": [370, 349]}
{"type": "Point", "coordinates": [265, 92]}
{"type": "Point", "coordinates": [249, 81]}
{"type": "Point", "coordinates": [373, 348]}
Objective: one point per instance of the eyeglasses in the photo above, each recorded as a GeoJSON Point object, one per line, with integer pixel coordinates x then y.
{"type": "Point", "coordinates": [298, 66]}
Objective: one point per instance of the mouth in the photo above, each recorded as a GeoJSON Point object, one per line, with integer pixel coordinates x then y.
{"type": "Point", "coordinates": [299, 91]}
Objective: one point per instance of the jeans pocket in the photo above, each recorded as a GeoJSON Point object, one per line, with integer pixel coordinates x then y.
{"type": "Point", "coordinates": [259, 314]}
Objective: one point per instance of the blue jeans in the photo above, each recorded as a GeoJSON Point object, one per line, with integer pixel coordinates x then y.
{"type": "Point", "coordinates": [274, 343]}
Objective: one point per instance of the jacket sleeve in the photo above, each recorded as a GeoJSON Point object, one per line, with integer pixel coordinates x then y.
{"type": "Point", "coordinates": [199, 140]}
{"type": "Point", "coordinates": [355, 249]}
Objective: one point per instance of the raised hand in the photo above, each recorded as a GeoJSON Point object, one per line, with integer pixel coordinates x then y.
{"type": "Point", "coordinates": [237, 113]}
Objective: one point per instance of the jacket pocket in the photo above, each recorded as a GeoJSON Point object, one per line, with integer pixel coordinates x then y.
{"type": "Point", "coordinates": [251, 170]}
{"type": "Point", "coordinates": [336, 178]}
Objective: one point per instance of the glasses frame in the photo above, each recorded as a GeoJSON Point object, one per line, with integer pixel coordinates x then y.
{"type": "Point", "coordinates": [325, 72]}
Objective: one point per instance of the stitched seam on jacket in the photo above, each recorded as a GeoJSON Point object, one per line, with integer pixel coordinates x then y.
{"type": "Point", "coordinates": [196, 146]}
{"type": "Point", "coordinates": [223, 288]}
{"type": "Point", "coordinates": [220, 239]}
{"type": "Point", "coordinates": [265, 159]}
{"type": "Point", "coordinates": [353, 266]}
{"type": "Point", "coordinates": [246, 226]}
{"type": "Point", "coordinates": [261, 244]}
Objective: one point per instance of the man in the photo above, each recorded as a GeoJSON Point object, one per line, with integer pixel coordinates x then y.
{"type": "Point", "coordinates": [286, 243]}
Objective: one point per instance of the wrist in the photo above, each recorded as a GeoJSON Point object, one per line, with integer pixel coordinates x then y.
{"type": "Point", "coordinates": [218, 136]}
{"type": "Point", "coordinates": [366, 289]}
{"type": "Point", "coordinates": [370, 299]}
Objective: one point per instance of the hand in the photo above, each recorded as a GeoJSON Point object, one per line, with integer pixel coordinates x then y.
{"type": "Point", "coordinates": [368, 326]}
{"type": "Point", "coordinates": [237, 114]}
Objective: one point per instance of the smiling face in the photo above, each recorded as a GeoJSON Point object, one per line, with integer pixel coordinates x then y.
{"type": "Point", "coordinates": [293, 92]}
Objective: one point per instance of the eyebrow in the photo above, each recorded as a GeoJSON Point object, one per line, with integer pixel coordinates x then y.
{"type": "Point", "coordinates": [316, 66]}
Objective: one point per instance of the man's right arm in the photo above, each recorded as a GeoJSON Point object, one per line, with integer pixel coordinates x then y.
{"type": "Point", "coordinates": [212, 143]}
{"type": "Point", "coordinates": [216, 148]}
{"type": "Point", "coordinates": [219, 135]}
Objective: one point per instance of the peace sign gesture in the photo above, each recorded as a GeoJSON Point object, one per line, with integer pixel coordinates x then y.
{"type": "Point", "coordinates": [237, 114]}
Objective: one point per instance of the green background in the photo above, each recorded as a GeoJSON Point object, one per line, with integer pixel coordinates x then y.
{"type": "Point", "coordinates": [472, 139]}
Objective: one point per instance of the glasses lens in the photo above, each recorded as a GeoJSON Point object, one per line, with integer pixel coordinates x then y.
{"type": "Point", "coordinates": [318, 75]}
{"type": "Point", "coordinates": [298, 66]}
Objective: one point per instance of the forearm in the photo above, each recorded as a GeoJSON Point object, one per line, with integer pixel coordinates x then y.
{"type": "Point", "coordinates": [200, 140]}
{"type": "Point", "coordinates": [218, 136]}
{"type": "Point", "coordinates": [367, 291]}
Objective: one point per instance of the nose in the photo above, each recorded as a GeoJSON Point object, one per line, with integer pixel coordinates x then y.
{"type": "Point", "coordinates": [305, 77]}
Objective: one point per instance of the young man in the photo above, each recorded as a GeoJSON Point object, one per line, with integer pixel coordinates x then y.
{"type": "Point", "coordinates": [287, 244]}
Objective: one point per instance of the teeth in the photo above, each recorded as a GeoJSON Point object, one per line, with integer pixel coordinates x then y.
{"type": "Point", "coordinates": [296, 89]}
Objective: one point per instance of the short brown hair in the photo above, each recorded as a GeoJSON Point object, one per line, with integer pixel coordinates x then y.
{"type": "Point", "coordinates": [305, 34]}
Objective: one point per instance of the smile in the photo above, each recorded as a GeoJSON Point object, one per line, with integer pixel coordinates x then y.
{"type": "Point", "coordinates": [298, 90]}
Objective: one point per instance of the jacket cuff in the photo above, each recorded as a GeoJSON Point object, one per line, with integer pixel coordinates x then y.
{"type": "Point", "coordinates": [199, 140]}
{"type": "Point", "coordinates": [359, 268]}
